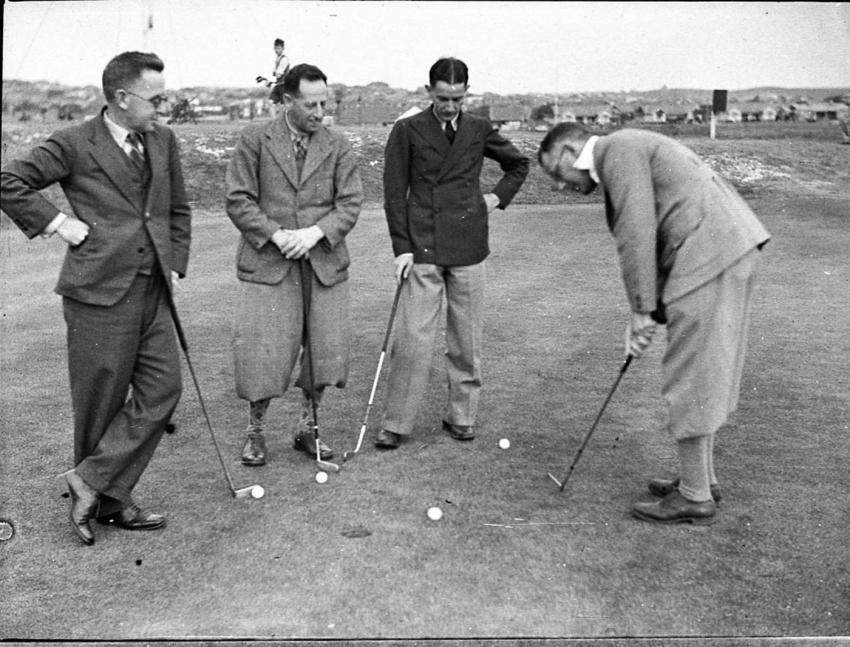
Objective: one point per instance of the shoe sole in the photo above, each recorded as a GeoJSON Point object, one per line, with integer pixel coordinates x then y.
{"type": "Point", "coordinates": [696, 521]}
{"type": "Point", "coordinates": [254, 463]}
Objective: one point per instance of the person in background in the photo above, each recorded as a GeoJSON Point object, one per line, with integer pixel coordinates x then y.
{"type": "Point", "coordinates": [688, 246]}
{"type": "Point", "coordinates": [438, 219]}
{"type": "Point", "coordinates": [128, 240]}
{"type": "Point", "coordinates": [293, 191]}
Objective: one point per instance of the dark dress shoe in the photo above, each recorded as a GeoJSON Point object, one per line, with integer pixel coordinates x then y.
{"type": "Point", "coordinates": [459, 432]}
{"type": "Point", "coordinates": [674, 508]}
{"type": "Point", "coordinates": [254, 450]}
{"type": "Point", "coordinates": [83, 503]}
{"type": "Point", "coordinates": [387, 439]}
{"type": "Point", "coordinates": [134, 518]}
{"type": "Point", "coordinates": [663, 487]}
{"type": "Point", "coordinates": [306, 442]}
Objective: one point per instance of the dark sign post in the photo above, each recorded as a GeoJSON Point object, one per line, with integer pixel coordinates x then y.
{"type": "Point", "coordinates": [718, 105]}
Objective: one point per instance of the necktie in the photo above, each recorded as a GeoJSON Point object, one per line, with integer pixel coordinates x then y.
{"type": "Point", "coordinates": [300, 148]}
{"type": "Point", "coordinates": [136, 155]}
{"type": "Point", "coordinates": [450, 132]}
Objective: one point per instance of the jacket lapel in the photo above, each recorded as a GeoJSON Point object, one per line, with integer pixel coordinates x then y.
{"type": "Point", "coordinates": [280, 146]}
{"type": "Point", "coordinates": [317, 151]}
{"type": "Point", "coordinates": [111, 159]}
{"type": "Point", "coordinates": [463, 137]}
{"type": "Point", "coordinates": [426, 124]}
{"type": "Point", "coordinates": [157, 160]}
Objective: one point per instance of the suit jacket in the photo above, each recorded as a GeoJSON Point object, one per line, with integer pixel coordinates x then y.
{"type": "Point", "coordinates": [93, 172]}
{"type": "Point", "coordinates": [676, 222]}
{"type": "Point", "coordinates": [433, 201]}
{"type": "Point", "coordinates": [265, 193]}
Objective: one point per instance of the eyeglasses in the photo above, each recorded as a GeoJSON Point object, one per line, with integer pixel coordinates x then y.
{"type": "Point", "coordinates": [156, 101]}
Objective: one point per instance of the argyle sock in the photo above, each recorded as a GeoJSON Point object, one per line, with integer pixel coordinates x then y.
{"type": "Point", "coordinates": [693, 468]}
{"type": "Point", "coordinates": [257, 414]}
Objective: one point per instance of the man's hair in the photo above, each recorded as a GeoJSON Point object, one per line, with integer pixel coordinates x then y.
{"type": "Point", "coordinates": [449, 70]}
{"type": "Point", "coordinates": [292, 80]}
{"type": "Point", "coordinates": [564, 130]}
{"type": "Point", "coordinates": [126, 68]}
{"type": "Point", "coordinates": [278, 41]}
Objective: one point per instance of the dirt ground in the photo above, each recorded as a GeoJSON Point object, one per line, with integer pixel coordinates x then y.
{"type": "Point", "coordinates": [357, 558]}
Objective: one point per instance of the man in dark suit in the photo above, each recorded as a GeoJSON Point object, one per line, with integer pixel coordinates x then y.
{"type": "Point", "coordinates": [128, 238]}
{"type": "Point", "coordinates": [688, 247]}
{"type": "Point", "coordinates": [438, 223]}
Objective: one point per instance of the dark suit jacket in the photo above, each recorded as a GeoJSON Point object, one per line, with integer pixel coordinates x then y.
{"type": "Point", "coordinates": [677, 223]}
{"type": "Point", "coordinates": [92, 170]}
{"type": "Point", "coordinates": [433, 200]}
{"type": "Point", "coordinates": [265, 193]}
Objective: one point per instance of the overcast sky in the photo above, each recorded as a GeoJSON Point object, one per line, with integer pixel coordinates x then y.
{"type": "Point", "coordinates": [510, 47]}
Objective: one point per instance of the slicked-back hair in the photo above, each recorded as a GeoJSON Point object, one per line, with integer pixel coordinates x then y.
{"type": "Point", "coordinates": [279, 41]}
{"type": "Point", "coordinates": [292, 80]}
{"type": "Point", "coordinates": [449, 70]}
{"type": "Point", "coordinates": [126, 68]}
{"type": "Point", "coordinates": [564, 130]}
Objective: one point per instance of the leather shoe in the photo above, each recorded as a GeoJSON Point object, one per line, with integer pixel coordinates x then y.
{"type": "Point", "coordinates": [387, 439]}
{"type": "Point", "coordinates": [459, 432]}
{"type": "Point", "coordinates": [83, 503]}
{"type": "Point", "coordinates": [663, 487]}
{"type": "Point", "coordinates": [306, 442]}
{"type": "Point", "coordinates": [132, 517]}
{"type": "Point", "coordinates": [674, 508]}
{"type": "Point", "coordinates": [254, 450]}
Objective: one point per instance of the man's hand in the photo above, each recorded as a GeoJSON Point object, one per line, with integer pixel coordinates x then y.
{"type": "Point", "coordinates": [297, 243]}
{"type": "Point", "coordinates": [492, 201]}
{"type": "Point", "coordinates": [639, 333]}
{"type": "Point", "coordinates": [403, 265]}
{"type": "Point", "coordinates": [73, 231]}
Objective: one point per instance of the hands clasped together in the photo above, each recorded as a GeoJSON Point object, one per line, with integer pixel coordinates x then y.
{"type": "Point", "coordinates": [297, 243]}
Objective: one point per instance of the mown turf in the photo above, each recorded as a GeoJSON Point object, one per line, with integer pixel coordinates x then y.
{"type": "Point", "coordinates": [512, 557]}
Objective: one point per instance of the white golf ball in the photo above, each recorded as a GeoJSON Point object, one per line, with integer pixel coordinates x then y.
{"type": "Point", "coordinates": [504, 443]}
{"type": "Point", "coordinates": [435, 514]}
{"type": "Point", "coordinates": [257, 492]}
{"type": "Point", "coordinates": [321, 477]}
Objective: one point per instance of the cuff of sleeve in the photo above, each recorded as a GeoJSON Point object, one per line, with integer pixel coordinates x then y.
{"type": "Point", "coordinates": [54, 224]}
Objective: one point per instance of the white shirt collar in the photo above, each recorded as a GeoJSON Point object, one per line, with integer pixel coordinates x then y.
{"type": "Point", "coordinates": [585, 162]}
{"type": "Point", "coordinates": [443, 123]}
{"type": "Point", "coordinates": [118, 132]}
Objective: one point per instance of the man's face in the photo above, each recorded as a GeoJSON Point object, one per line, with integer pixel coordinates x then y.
{"type": "Point", "coordinates": [307, 108]}
{"type": "Point", "coordinates": [278, 49]}
{"type": "Point", "coordinates": [558, 164]}
{"type": "Point", "coordinates": [447, 98]}
{"type": "Point", "coordinates": [142, 101]}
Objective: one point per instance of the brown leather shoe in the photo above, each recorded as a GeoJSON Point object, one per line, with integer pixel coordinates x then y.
{"type": "Point", "coordinates": [663, 487]}
{"type": "Point", "coordinates": [254, 450]}
{"type": "Point", "coordinates": [83, 503]}
{"type": "Point", "coordinates": [674, 508]}
{"type": "Point", "coordinates": [306, 442]}
{"type": "Point", "coordinates": [388, 439]}
{"type": "Point", "coordinates": [132, 517]}
{"type": "Point", "coordinates": [459, 432]}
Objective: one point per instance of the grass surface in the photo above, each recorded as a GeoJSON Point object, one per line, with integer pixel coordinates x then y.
{"type": "Point", "coordinates": [511, 556]}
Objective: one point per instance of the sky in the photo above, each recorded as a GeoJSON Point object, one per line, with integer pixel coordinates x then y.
{"type": "Point", "coordinates": [510, 47]}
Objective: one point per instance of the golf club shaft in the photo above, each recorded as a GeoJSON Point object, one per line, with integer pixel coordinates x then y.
{"type": "Point", "coordinates": [380, 365]}
{"type": "Point", "coordinates": [595, 422]}
{"type": "Point", "coordinates": [304, 268]}
{"type": "Point", "coordinates": [185, 346]}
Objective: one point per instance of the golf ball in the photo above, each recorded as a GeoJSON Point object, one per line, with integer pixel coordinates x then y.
{"type": "Point", "coordinates": [435, 514]}
{"type": "Point", "coordinates": [257, 492]}
{"type": "Point", "coordinates": [504, 443]}
{"type": "Point", "coordinates": [321, 477]}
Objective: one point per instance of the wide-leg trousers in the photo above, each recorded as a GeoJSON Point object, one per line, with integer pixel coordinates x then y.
{"type": "Point", "coordinates": [125, 381]}
{"type": "Point", "coordinates": [414, 340]}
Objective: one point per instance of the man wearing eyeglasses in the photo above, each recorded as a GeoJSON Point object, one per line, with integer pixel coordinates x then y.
{"type": "Point", "coordinates": [128, 238]}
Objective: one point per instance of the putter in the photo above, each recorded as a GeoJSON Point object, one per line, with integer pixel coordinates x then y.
{"type": "Point", "coordinates": [563, 484]}
{"type": "Point", "coordinates": [304, 267]}
{"type": "Point", "coordinates": [255, 491]}
{"type": "Point", "coordinates": [350, 454]}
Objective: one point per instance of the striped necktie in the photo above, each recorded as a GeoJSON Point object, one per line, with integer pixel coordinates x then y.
{"type": "Point", "coordinates": [136, 154]}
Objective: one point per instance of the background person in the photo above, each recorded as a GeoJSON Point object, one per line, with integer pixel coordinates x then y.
{"type": "Point", "coordinates": [293, 190]}
{"type": "Point", "coordinates": [688, 247]}
{"type": "Point", "coordinates": [128, 237]}
{"type": "Point", "coordinates": [281, 67]}
{"type": "Point", "coordinates": [438, 222]}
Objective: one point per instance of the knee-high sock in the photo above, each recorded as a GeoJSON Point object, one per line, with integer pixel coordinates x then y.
{"type": "Point", "coordinates": [712, 477]}
{"type": "Point", "coordinates": [693, 468]}
{"type": "Point", "coordinates": [257, 414]}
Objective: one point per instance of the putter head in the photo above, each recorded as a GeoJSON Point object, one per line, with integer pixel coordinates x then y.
{"type": "Point", "coordinates": [250, 492]}
{"type": "Point", "coordinates": [557, 482]}
{"type": "Point", "coordinates": [328, 467]}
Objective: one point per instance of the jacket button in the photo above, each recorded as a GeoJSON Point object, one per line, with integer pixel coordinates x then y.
{"type": "Point", "coordinates": [141, 250]}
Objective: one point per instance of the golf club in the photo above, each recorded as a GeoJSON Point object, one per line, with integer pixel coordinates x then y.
{"type": "Point", "coordinates": [306, 288]}
{"type": "Point", "coordinates": [563, 484]}
{"type": "Point", "coordinates": [349, 454]}
{"type": "Point", "coordinates": [255, 491]}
